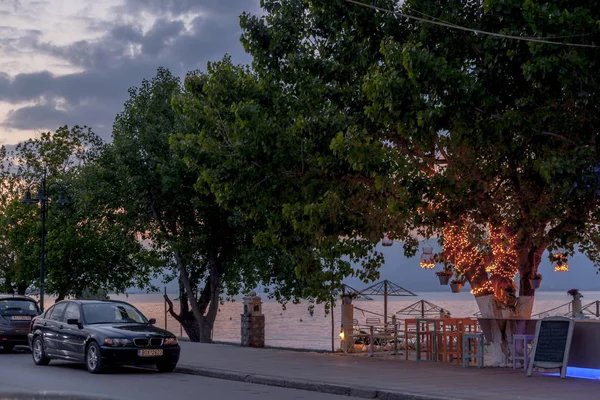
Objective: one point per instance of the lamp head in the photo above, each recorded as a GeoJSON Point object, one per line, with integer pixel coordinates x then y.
{"type": "Point", "coordinates": [27, 198]}
{"type": "Point", "coordinates": [62, 200]}
{"type": "Point", "coordinates": [41, 195]}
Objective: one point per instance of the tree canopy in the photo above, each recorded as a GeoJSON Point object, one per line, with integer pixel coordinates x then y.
{"type": "Point", "coordinates": [86, 249]}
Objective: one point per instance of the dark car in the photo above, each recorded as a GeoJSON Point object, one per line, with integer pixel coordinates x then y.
{"type": "Point", "coordinates": [16, 313]}
{"type": "Point", "coordinates": [101, 334]}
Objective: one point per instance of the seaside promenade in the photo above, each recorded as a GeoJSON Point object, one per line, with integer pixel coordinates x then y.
{"type": "Point", "coordinates": [383, 378]}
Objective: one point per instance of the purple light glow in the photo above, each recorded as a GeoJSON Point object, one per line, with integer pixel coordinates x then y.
{"type": "Point", "coordinates": [580, 373]}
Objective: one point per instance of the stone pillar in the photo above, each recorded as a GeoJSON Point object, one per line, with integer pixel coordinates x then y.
{"type": "Point", "coordinates": [253, 322]}
{"type": "Point", "coordinates": [346, 335]}
{"type": "Point", "coordinates": [576, 306]}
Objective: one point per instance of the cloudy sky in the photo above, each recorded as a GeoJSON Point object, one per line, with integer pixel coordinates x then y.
{"type": "Point", "coordinates": [72, 61]}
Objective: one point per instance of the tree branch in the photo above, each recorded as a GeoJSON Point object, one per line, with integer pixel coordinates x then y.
{"type": "Point", "coordinates": [556, 135]}
{"type": "Point", "coordinates": [177, 317]}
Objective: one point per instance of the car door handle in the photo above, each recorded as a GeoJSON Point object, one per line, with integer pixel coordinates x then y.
{"type": "Point", "coordinates": [45, 324]}
{"type": "Point", "coordinates": [61, 327]}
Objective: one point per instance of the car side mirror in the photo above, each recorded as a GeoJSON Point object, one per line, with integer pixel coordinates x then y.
{"type": "Point", "coordinates": [74, 321]}
{"type": "Point", "coordinates": [152, 321]}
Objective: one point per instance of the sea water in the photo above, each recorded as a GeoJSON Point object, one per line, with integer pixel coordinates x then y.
{"type": "Point", "coordinates": [295, 327]}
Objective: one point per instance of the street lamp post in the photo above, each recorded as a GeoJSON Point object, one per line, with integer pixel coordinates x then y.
{"type": "Point", "coordinates": [42, 198]}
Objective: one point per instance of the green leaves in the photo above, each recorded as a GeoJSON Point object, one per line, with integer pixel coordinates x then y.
{"type": "Point", "coordinates": [85, 247]}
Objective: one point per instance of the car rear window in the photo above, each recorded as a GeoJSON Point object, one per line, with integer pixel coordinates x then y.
{"type": "Point", "coordinates": [18, 306]}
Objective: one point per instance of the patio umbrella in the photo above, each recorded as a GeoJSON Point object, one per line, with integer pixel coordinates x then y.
{"type": "Point", "coordinates": [386, 288]}
{"type": "Point", "coordinates": [423, 308]}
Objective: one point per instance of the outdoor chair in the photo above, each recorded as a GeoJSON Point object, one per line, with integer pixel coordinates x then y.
{"type": "Point", "coordinates": [525, 345]}
{"type": "Point", "coordinates": [450, 340]}
{"type": "Point", "coordinates": [360, 336]}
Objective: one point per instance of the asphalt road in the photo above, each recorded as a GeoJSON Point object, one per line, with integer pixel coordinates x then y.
{"type": "Point", "coordinates": [18, 373]}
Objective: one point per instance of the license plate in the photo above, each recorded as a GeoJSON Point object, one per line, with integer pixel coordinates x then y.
{"type": "Point", "coordinates": [20, 318]}
{"type": "Point", "coordinates": [150, 353]}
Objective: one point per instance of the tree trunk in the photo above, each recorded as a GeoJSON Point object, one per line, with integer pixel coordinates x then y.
{"type": "Point", "coordinates": [184, 278]}
{"type": "Point", "coordinates": [22, 288]}
{"type": "Point", "coordinates": [196, 332]}
{"type": "Point", "coordinates": [206, 329]}
{"type": "Point", "coordinates": [208, 322]}
{"type": "Point", "coordinates": [190, 326]}
{"type": "Point", "coordinates": [500, 323]}
{"type": "Point", "coordinates": [198, 327]}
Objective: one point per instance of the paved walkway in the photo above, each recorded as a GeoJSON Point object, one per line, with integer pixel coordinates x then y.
{"type": "Point", "coordinates": [376, 377]}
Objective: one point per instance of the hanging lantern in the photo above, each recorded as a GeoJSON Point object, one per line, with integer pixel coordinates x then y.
{"type": "Point", "coordinates": [387, 242]}
{"type": "Point", "coordinates": [560, 262]}
{"type": "Point", "coordinates": [427, 258]}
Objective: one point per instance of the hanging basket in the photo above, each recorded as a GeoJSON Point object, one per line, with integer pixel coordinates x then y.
{"type": "Point", "coordinates": [455, 287]}
{"type": "Point", "coordinates": [535, 283]}
{"type": "Point", "coordinates": [560, 261]}
{"type": "Point", "coordinates": [444, 279]}
{"type": "Point", "coordinates": [561, 267]}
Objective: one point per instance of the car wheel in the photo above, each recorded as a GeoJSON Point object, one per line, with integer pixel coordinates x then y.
{"type": "Point", "coordinates": [38, 352]}
{"type": "Point", "coordinates": [166, 366]}
{"type": "Point", "coordinates": [8, 348]}
{"type": "Point", "coordinates": [93, 359]}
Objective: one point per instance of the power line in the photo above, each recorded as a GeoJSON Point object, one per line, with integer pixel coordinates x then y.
{"type": "Point", "coordinates": [524, 37]}
{"type": "Point", "coordinates": [463, 28]}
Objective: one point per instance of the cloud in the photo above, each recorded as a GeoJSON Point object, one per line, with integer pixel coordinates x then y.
{"type": "Point", "coordinates": [35, 117]}
{"type": "Point", "coordinates": [179, 7]}
{"type": "Point", "coordinates": [14, 40]}
{"type": "Point", "coordinates": [181, 35]}
{"type": "Point", "coordinates": [50, 114]}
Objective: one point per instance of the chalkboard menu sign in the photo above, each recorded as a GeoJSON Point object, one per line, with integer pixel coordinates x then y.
{"type": "Point", "coordinates": [551, 344]}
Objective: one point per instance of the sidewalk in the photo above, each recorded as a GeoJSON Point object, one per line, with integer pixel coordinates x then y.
{"type": "Point", "coordinates": [376, 378]}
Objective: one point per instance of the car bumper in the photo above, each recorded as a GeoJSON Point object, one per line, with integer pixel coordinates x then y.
{"type": "Point", "coordinates": [130, 356]}
{"type": "Point", "coordinates": [13, 339]}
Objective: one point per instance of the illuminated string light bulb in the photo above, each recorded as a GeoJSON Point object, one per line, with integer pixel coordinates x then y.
{"type": "Point", "coordinates": [483, 290]}
{"type": "Point", "coordinates": [467, 256]}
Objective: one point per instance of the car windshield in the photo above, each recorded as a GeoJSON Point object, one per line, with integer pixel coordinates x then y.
{"type": "Point", "coordinates": [18, 306]}
{"type": "Point", "coordinates": [112, 313]}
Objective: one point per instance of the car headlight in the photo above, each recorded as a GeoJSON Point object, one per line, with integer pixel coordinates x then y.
{"type": "Point", "coordinates": [115, 342]}
{"type": "Point", "coordinates": [170, 341]}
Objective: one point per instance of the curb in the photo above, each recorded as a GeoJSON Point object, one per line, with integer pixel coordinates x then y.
{"type": "Point", "coordinates": [267, 347]}
{"type": "Point", "coordinates": [312, 386]}
{"type": "Point", "coordinates": [53, 395]}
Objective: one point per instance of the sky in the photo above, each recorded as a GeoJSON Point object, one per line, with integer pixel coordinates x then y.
{"type": "Point", "coordinates": [66, 62]}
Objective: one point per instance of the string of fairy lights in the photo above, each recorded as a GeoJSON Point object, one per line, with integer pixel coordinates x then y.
{"type": "Point", "coordinates": [498, 256]}
{"type": "Point", "coordinates": [466, 258]}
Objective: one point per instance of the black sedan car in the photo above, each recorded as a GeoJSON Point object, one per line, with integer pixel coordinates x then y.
{"type": "Point", "coordinates": [16, 313]}
{"type": "Point", "coordinates": [100, 334]}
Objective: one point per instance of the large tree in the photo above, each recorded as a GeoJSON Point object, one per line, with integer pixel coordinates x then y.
{"type": "Point", "coordinates": [261, 158]}
{"type": "Point", "coordinates": [86, 249]}
{"type": "Point", "coordinates": [261, 139]}
{"type": "Point", "coordinates": [501, 134]}
{"type": "Point", "coordinates": [486, 142]}
{"type": "Point", "coordinates": [209, 248]}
